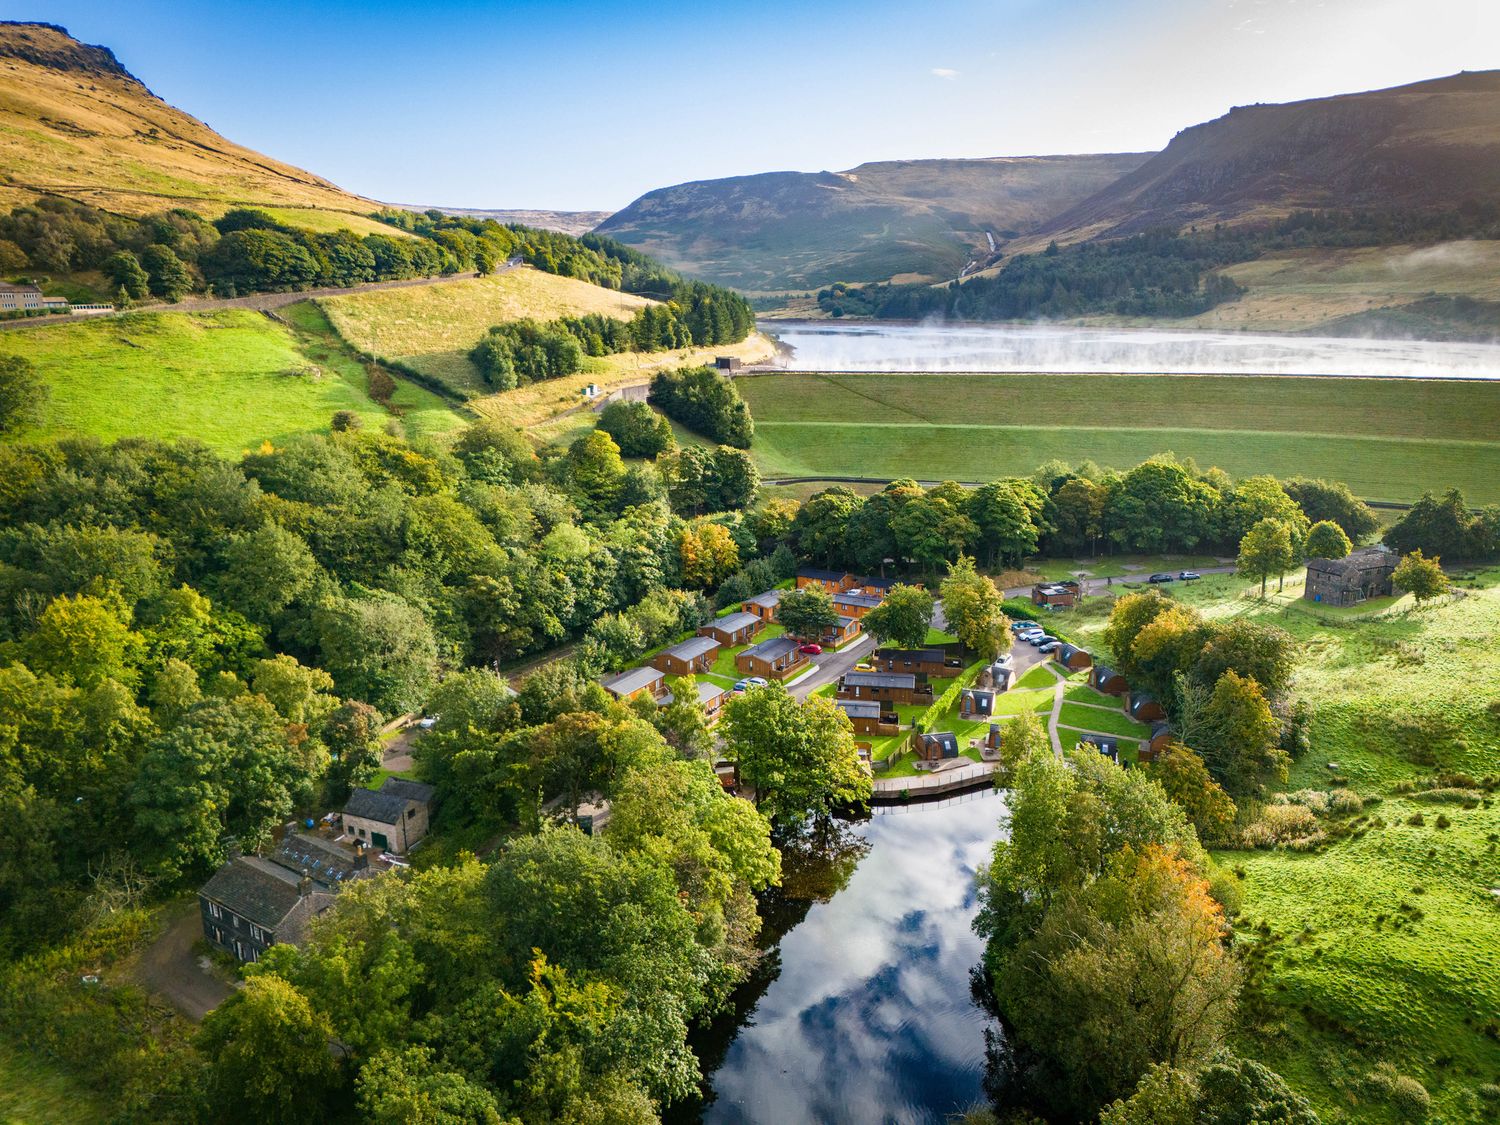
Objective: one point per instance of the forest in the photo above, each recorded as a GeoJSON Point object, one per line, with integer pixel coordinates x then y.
{"type": "Point", "coordinates": [1163, 273]}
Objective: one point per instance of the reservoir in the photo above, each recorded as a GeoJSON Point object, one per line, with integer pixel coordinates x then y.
{"type": "Point", "coordinates": [867, 346]}
{"type": "Point", "coordinates": [862, 1011]}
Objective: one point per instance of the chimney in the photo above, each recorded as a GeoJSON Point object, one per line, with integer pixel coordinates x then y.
{"type": "Point", "coordinates": [304, 884]}
{"type": "Point", "coordinates": [232, 850]}
{"type": "Point", "coordinates": [361, 861]}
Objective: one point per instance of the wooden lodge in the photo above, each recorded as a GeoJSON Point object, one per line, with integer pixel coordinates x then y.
{"type": "Point", "coordinates": [841, 632]}
{"type": "Point", "coordinates": [1107, 680]}
{"type": "Point", "coordinates": [1056, 595]}
{"type": "Point", "coordinates": [869, 717]}
{"type": "Point", "coordinates": [635, 683]}
{"type": "Point", "coordinates": [776, 659]}
{"type": "Point", "coordinates": [975, 704]}
{"type": "Point", "coordinates": [923, 662]}
{"type": "Point", "coordinates": [687, 658]}
{"type": "Point", "coordinates": [711, 697]}
{"type": "Point", "coordinates": [936, 746]}
{"type": "Point", "coordinates": [1145, 708]}
{"type": "Point", "coordinates": [1072, 657]}
{"type": "Point", "coordinates": [850, 603]}
{"type": "Point", "coordinates": [763, 606]}
{"type": "Point", "coordinates": [887, 687]}
{"type": "Point", "coordinates": [733, 629]}
{"type": "Point", "coordinates": [1162, 736]}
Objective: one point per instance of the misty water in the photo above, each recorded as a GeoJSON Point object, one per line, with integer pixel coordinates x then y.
{"type": "Point", "coordinates": [824, 346]}
{"type": "Point", "coordinates": [862, 1010]}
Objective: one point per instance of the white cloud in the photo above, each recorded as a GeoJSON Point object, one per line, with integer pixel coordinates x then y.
{"type": "Point", "coordinates": [946, 73]}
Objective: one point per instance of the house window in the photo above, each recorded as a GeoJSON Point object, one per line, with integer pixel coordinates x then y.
{"type": "Point", "coordinates": [214, 911]}
{"type": "Point", "coordinates": [257, 933]}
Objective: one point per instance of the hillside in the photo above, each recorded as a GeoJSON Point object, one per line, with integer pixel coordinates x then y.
{"type": "Point", "coordinates": [1427, 145]}
{"type": "Point", "coordinates": [75, 123]}
{"type": "Point", "coordinates": [912, 219]}
{"type": "Point", "coordinates": [566, 222]}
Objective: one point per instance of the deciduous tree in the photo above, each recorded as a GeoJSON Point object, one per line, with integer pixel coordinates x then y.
{"type": "Point", "coordinates": [903, 618]}
{"type": "Point", "coordinates": [807, 613]}
{"type": "Point", "coordinates": [1421, 577]}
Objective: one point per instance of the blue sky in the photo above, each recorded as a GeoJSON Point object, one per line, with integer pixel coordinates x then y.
{"type": "Point", "coordinates": [587, 105]}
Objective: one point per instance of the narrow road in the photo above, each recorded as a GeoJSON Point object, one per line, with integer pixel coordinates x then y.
{"type": "Point", "coordinates": [832, 665]}
{"type": "Point", "coordinates": [260, 302]}
{"type": "Point", "coordinates": [169, 967]}
{"type": "Point", "coordinates": [1099, 585]}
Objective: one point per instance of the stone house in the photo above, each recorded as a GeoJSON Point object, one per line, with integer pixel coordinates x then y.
{"type": "Point", "coordinates": [1363, 575]}
{"type": "Point", "coordinates": [389, 819]}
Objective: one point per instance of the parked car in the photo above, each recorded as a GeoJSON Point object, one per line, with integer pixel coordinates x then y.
{"type": "Point", "coordinates": [1048, 645]}
{"type": "Point", "coordinates": [864, 666]}
{"type": "Point", "coordinates": [1037, 640]}
{"type": "Point", "coordinates": [742, 686]}
{"type": "Point", "coordinates": [426, 724]}
{"type": "Point", "coordinates": [812, 649]}
{"type": "Point", "coordinates": [1189, 575]}
{"type": "Point", "coordinates": [1022, 626]}
{"type": "Point", "coordinates": [757, 681]}
{"type": "Point", "coordinates": [1157, 579]}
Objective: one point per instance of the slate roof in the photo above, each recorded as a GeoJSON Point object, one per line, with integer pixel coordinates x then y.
{"type": "Point", "coordinates": [1357, 562]}
{"type": "Point", "coordinates": [771, 650]}
{"type": "Point", "coordinates": [1103, 672]}
{"type": "Point", "coordinates": [880, 679]}
{"type": "Point", "coordinates": [822, 575]}
{"type": "Point", "coordinates": [628, 683]}
{"type": "Point", "coordinates": [945, 739]}
{"type": "Point", "coordinates": [869, 601]}
{"type": "Point", "coordinates": [417, 791]}
{"type": "Point", "coordinates": [734, 622]}
{"type": "Point", "coordinates": [859, 708]}
{"type": "Point", "coordinates": [877, 583]}
{"type": "Point", "coordinates": [368, 804]}
{"type": "Point", "coordinates": [1108, 746]}
{"type": "Point", "coordinates": [1140, 700]}
{"type": "Point", "coordinates": [254, 888]}
{"type": "Point", "coordinates": [708, 692]}
{"type": "Point", "coordinates": [1159, 729]}
{"type": "Point", "coordinates": [915, 655]}
{"type": "Point", "coordinates": [324, 860]}
{"type": "Point", "coordinates": [691, 648]}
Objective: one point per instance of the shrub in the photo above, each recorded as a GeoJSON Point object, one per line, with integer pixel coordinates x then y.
{"type": "Point", "coordinates": [1314, 799]}
{"type": "Point", "coordinates": [1283, 825]}
{"type": "Point", "coordinates": [1416, 820]}
{"type": "Point", "coordinates": [1408, 1097]}
{"type": "Point", "coordinates": [1344, 802]}
{"type": "Point", "coordinates": [1442, 821]}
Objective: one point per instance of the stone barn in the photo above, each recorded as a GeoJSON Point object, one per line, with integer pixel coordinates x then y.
{"type": "Point", "coordinates": [1363, 575]}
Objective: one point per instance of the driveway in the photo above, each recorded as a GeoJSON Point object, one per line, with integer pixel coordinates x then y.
{"type": "Point", "coordinates": [168, 967]}
{"type": "Point", "coordinates": [833, 665]}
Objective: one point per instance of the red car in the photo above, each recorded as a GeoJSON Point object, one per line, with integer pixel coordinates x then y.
{"type": "Point", "coordinates": [812, 650]}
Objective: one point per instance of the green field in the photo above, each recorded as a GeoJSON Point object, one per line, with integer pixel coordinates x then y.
{"type": "Point", "coordinates": [229, 379]}
{"type": "Point", "coordinates": [1388, 439]}
{"type": "Point", "coordinates": [35, 1093]}
{"type": "Point", "coordinates": [1113, 721]}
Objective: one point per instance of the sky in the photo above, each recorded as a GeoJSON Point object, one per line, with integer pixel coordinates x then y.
{"type": "Point", "coordinates": [585, 106]}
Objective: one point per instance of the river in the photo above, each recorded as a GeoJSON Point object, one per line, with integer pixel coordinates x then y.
{"type": "Point", "coordinates": [835, 346]}
{"type": "Point", "coordinates": [862, 1011]}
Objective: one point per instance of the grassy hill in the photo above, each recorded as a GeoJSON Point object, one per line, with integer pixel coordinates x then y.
{"type": "Point", "coordinates": [229, 379]}
{"type": "Point", "coordinates": [1389, 439]}
{"type": "Point", "coordinates": [1430, 144]}
{"type": "Point", "coordinates": [1382, 946]}
{"type": "Point", "coordinates": [910, 219]}
{"type": "Point", "coordinates": [75, 123]}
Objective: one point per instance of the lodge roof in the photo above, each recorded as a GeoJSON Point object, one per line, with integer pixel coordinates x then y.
{"type": "Point", "coordinates": [692, 648]}
{"type": "Point", "coordinates": [734, 622]}
{"type": "Point", "coordinates": [880, 679]}
{"type": "Point", "coordinates": [859, 708]}
{"type": "Point", "coordinates": [771, 649]}
{"type": "Point", "coordinates": [628, 683]}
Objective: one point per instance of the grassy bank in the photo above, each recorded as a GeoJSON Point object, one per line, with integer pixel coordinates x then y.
{"type": "Point", "coordinates": [1389, 439]}
{"type": "Point", "coordinates": [229, 379]}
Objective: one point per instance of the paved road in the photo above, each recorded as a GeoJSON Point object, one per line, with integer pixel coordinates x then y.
{"type": "Point", "coordinates": [832, 665]}
{"type": "Point", "coordinates": [1099, 585]}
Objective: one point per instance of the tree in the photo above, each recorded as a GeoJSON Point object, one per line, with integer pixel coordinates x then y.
{"type": "Point", "coordinates": [807, 613]}
{"type": "Point", "coordinates": [124, 269]}
{"type": "Point", "coordinates": [1238, 736]}
{"type": "Point", "coordinates": [352, 734]}
{"type": "Point", "coordinates": [22, 393]}
{"type": "Point", "coordinates": [682, 722]}
{"type": "Point", "coordinates": [1227, 1091]}
{"type": "Point", "coordinates": [1421, 577]}
{"type": "Point", "coordinates": [1186, 780]}
{"type": "Point", "coordinates": [1158, 506]}
{"type": "Point", "coordinates": [1257, 498]}
{"type": "Point", "coordinates": [378, 649]}
{"type": "Point", "coordinates": [1020, 738]}
{"type": "Point", "coordinates": [269, 1056]}
{"type": "Point", "coordinates": [703, 400]}
{"type": "Point", "coordinates": [1005, 521]}
{"type": "Point", "coordinates": [799, 757]}
{"type": "Point", "coordinates": [1266, 549]}
{"type": "Point", "coordinates": [971, 606]}
{"type": "Point", "coordinates": [264, 571]}
{"type": "Point", "coordinates": [84, 641]}
{"type": "Point", "coordinates": [1078, 513]}
{"type": "Point", "coordinates": [168, 276]}
{"type": "Point", "coordinates": [1326, 540]}
{"type": "Point", "coordinates": [1440, 528]}
{"type": "Point", "coordinates": [1322, 500]}
{"type": "Point", "coordinates": [903, 618]}
{"type": "Point", "coordinates": [638, 430]}
{"type": "Point", "coordinates": [709, 554]}
{"type": "Point", "coordinates": [594, 474]}
{"type": "Point", "coordinates": [820, 529]}
{"type": "Point", "coordinates": [409, 1087]}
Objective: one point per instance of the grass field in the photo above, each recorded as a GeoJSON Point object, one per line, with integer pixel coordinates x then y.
{"type": "Point", "coordinates": [230, 379]}
{"type": "Point", "coordinates": [1389, 439]}
{"type": "Point", "coordinates": [1383, 946]}
{"type": "Point", "coordinates": [432, 328]}
{"type": "Point", "coordinates": [34, 1093]}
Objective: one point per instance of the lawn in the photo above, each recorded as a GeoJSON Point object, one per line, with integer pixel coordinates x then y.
{"type": "Point", "coordinates": [1113, 721]}
{"type": "Point", "coordinates": [34, 1092]}
{"type": "Point", "coordinates": [724, 660]}
{"type": "Point", "coordinates": [1387, 438]}
{"type": "Point", "coordinates": [229, 379]}
{"type": "Point", "coordinates": [1037, 676]}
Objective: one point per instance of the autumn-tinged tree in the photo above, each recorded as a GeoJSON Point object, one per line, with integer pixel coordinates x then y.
{"type": "Point", "coordinates": [1238, 736]}
{"type": "Point", "coordinates": [1186, 780]}
{"type": "Point", "coordinates": [709, 554]}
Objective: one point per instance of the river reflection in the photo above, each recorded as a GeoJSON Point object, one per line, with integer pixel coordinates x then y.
{"type": "Point", "coordinates": [868, 1016]}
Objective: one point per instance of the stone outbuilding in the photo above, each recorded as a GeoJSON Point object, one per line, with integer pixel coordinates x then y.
{"type": "Point", "coordinates": [389, 819]}
{"type": "Point", "coordinates": [1363, 575]}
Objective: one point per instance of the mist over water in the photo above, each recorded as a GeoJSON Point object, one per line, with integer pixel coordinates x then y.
{"type": "Point", "coordinates": [821, 346]}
